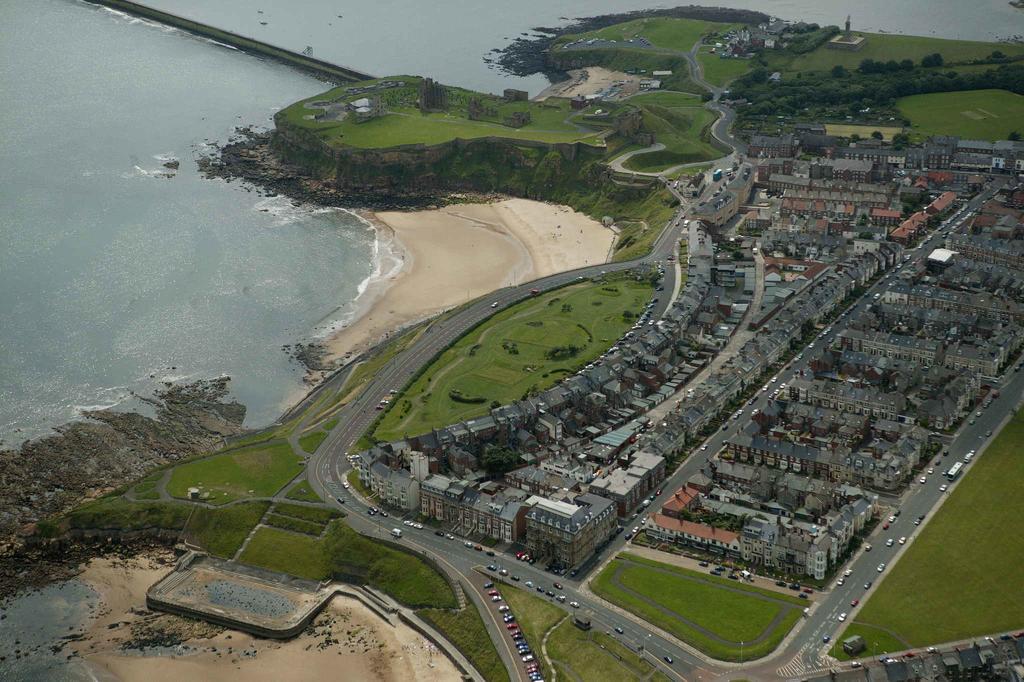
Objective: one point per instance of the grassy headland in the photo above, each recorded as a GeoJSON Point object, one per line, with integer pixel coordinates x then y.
{"type": "Point", "coordinates": [974, 114]}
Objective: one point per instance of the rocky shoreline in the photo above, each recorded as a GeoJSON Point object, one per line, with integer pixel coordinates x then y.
{"type": "Point", "coordinates": [248, 157]}
{"type": "Point", "coordinates": [50, 475]}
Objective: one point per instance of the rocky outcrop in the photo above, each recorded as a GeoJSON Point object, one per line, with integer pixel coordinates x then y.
{"type": "Point", "coordinates": [49, 475]}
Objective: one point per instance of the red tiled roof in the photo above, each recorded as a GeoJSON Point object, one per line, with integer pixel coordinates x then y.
{"type": "Point", "coordinates": [699, 530]}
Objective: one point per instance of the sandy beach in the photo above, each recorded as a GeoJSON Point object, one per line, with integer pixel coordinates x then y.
{"type": "Point", "coordinates": [457, 253]}
{"type": "Point", "coordinates": [347, 640]}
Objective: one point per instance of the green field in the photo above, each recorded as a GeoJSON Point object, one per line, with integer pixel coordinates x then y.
{"type": "Point", "coordinates": [222, 531]}
{"type": "Point", "coordinates": [287, 552]}
{"type": "Point", "coordinates": [303, 491]}
{"type": "Point", "coordinates": [116, 513]}
{"type": "Point", "coordinates": [465, 629]}
{"type": "Point", "coordinates": [974, 114]}
{"type": "Point", "coordinates": [885, 47]}
{"type": "Point", "coordinates": [961, 577]}
{"type": "Point", "coordinates": [403, 123]}
{"type": "Point", "coordinates": [254, 471]}
{"type": "Point", "coordinates": [681, 123]}
{"type": "Point", "coordinates": [663, 32]}
{"type": "Point", "coordinates": [535, 617]}
{"type": "Point", "coordinates": [725, 619]}
{"type": "Point", "coordinates": [311, 441]}
{"type": "Point", "coordinates": [594, 656]}
{"type": "Point", "coordinates": [718, 71]}
{"type": "Point", "coordinates": [512, 353]}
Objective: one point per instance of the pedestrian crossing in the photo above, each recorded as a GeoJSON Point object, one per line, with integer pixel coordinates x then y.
{"type": "Point", "coordinates": [804, 665]}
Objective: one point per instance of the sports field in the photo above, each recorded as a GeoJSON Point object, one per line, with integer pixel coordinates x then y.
{"type": "Point", "coordinates": [962, 576]}
{"type": "Point", "coordinates": [530, 346]}
{"type": "Point", "coordinates": [972, 114]}
{"type": "Point", "coordinates": [255, 471]}
{"type": "Point", "coordinates": [725, 619]}
{"type": "Point", "coordinates": [884, 47]}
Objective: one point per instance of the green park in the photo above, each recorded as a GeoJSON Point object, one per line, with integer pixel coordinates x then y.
{"type": "Point", "coordinates": [960, 578]}
{"type": "Point", "coordinates": [576, 654]}
{"type": "Point", "coordinates": [972, 114]}
{"type": "Point", "coordinates": [521, 350]}
{"type": "Point", "coordinates": [726, 619]}
{"type": "Point", "coordinates": [403, 123]}
{"type": "Point", "coordinates": [678, 121]}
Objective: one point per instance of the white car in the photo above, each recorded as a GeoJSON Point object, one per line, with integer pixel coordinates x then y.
{"type": "Point", "coordinates": [888, 543]}
{"type": "Point", "coordinates": [903, 540]}
{"type": "Point", "coordinates": [943, 488]}
{"type": "Point", "coordinates": [931, 471]}
{"type": "Point", "coordinates": [892, 519]}
{"type": "Point", "coordinates": [494, 305]}
{"type": "Point", "coordinates": [574, 604]}
{"type": "Point", "coordinates": [881, 567]}
{"type": "Point", "coordinates": [842, 616]}
{"type": "Point", "coordinates": [704, 447]}
{"type": "Point", "coordinates": [923, 479]}
{"type": "Point", "coordinates": [848, 572]}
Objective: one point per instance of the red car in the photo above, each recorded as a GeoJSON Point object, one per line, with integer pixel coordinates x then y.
{"type": "Point", "coordinates": [885, 526]}
{"type": "Point", "coordinates": [493, 593]}
{"type": "Point", "coordinates": [512, 626]}
{"type": "Point", "coordinates": [855, 602]}
{"type": "Point", "coordinates": [808, 590]}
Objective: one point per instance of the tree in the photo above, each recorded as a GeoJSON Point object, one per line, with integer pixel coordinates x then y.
{"type": "Point", "coordinates": [1013, 136]}
{"type": "Point", "coordinates": [996, 54]}
{"type": "Point", "coordinates": [900, 140]}
{"type": "Point", "coordinates": [934, 59]}
{"type": "Point", "coordinates": [839, 71]}
{"type": "Point", "coordinates": [855, 138]}
{"type": "Point", "coordinates": [498, 460]}
{"type": "Point", "coordinates": [877, 134]}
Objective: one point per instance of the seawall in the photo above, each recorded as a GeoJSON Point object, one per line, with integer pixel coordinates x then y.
{"type": "Point", "coordinates": [317, 67]}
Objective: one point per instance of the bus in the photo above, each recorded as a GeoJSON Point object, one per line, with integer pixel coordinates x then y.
{"type": "Point", "coordinates": [954, 471]}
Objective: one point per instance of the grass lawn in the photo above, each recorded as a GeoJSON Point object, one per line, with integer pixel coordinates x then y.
{"type": "Point", "coordinates": [311, 441]}
{"type": "Point", "coordinates": [303, 491]}
{"type": "Point", "coordinates": [465, 629]}
{"type": "Point", "coordinates": [293, 524]}
{"type": "Point", "coordinates": [960, 578]}
{"type": "Point", "coordinates": [222, 531]}
{"type": "Point", "coordinates": [663, 32]}
{"type": "Point", "coordinates": [885, 47]}
{"type": "Point", "coordinates": [530, 346]}
{"type": "Point", "coordinates": [146, 488]}
{"type": "Point", "coordinates": [116, 513]}
{"type": "Point", "coordinates": [973, 114]}
{"type": "Point", "coordinates": [684, 130]}
{"type": "Point", "coordinates": [403, 123]}
{"type": "Point", "coordinates": [878, 642]}
{"type": "Point", "coordinates": [845, 130]}
{"type": "Point", "coordinates": [255, 471]}
{"type": "Point", "coordinates": [321, 515]}
{"type": "Point", "coordinates": [594, 656]}
{"type": "Point", "coordinates": [719, 71]}
{"type": "Point", "coordinates": [637, 237]}
{"type": "Point", "coordinates": [357, 483]}
{"type": "Point", "coordinates": [287, 552]}
{"type": "Point", "coordinates": [345, 555]}
{"type": "Point", "coordinates": [731, 610]}
{"type": "Point", "coordinates": [534, 615]}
